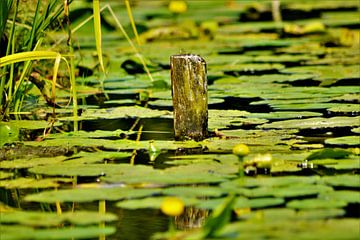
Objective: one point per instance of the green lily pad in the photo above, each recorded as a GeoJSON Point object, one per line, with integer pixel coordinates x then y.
{"type": "Point", "coordinates": [320, 213]}
{"type": "Point", "coordinates": [345, 108]}
{"type": "Point", "coordinates": [88, 195]}
{"type": "Point", "coordinates": [31, 124]}
{"type": "Point", "coordinates": [187, 174]}
{"type": "Point", "coordinates": [18, 232]}
{"type": "Point", "coordinates": [296, 190]}
{"type": "Point", "coordinates": [342, 180]}
{"type": "Point", "coordinates": [344, 141]}
{"type": "Point", "coordinates": [296, 229]}
{"type": "Point", "coordinates": [342, 195]}
{"type": "Point", "coordinates": [20, 183]}
{"type": "Point", "coordinates": [315, 203]}
{"type": "Point", "coordinates": [327, 74]}
{"type": "Point", "coordinates": [27, 163]}
{"type": "Point", "coordinates": [329, 153]}
{"type": "Point", "coordinates": [284, 115]}
{"type": "Point", "coordinates": [314, 123]}
{"type": "Point", "coordinates": [152, 202]}
{"type": "Point", "coordinates": [200, 191]}
{"type": "Point", "coordinates": [74, 169]}
{"type": "Point", "coordinates": [242, 202]}
{"type": "Point", "coordinates": [121, 112]}
{"type": "Point", "coordinates": [356, 130]}
{"type": "Point", "coordinates": [269, 181]}
{"type": "Point", "coordinates": [47, 219]}
{"type": "Point", "coordinates": [5, 175]}
{"type": "Point", "coordinates": [8, 133]}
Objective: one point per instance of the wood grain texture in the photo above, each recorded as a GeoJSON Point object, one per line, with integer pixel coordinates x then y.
{"type": "Point", "coordinates": [189, 93]}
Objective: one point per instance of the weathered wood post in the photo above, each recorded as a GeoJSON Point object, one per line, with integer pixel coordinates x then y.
{"type": "Point", "coordinates": [189, 93]}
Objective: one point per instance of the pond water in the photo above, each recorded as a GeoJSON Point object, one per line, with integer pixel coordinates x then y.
{"type": "Point", "coordinates": [289, 90]}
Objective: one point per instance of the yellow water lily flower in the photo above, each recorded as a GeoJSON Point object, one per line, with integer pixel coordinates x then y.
{"type": "Point", "coordinates": [177, 6]}
{"type": "Point", "coordinates": [172, 206]}
{"type": "Point", "coordinates": [241, 150]}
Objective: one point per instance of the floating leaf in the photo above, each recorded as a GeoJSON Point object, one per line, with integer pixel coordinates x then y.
{"type": "Point", "coordinates": [342, 180]}
{"type": "Point", "coordinates": [151, 202]}
{"type": "Point", "coordinates": [88, 195]}
{"type": "Point", "coordinates": [47, 219]}
{"type": "Point", "coordinates": [342, 195]}
{"type": "Point", "coordinates": [344, 141]}
{"type": "Point", "coordinates": [195, 191]}
{"type": "Point", "coordinates": [27, 163]}
{"type": "Point", "coordinates": [315, 203]}
{"type": "Point", "coordinates": [17, 232]}
{"type": "Point", "coordinates": [314, 123]}
{"type": "Point", "coordinates": [4, 175]}
{"type": "Point", "coordinates": [20, 183]}
{"type": "Point", "coordinates": [329, 153]}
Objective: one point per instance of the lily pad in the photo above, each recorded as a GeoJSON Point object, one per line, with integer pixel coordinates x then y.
{"type": "Point", "coordinates": [18, 232]}
{"type": "Point", "coordinates": [284, 115]}
{"type": "Point", "coordinates": [31, 124]}
{"type": "Point", "coordinates": [344, 141]}
{"type": "Point", "coordinates": [27, 163]}
{"type": "Point", "coordinates": [47, 219]}
{"type": "Point", "coordinates": [151, 202]}
{"type": "Point", "coordinates": [345, 180]}
{"type": "Point", "coordinates": [5, 175]}
{"type": "Point", "coordinates": [315, 203]}
{"type": "Point", "coordinates": [20, 183]}
{"type": "Point", "coordinates": [88, 195]}
{"type": "Point", "coordinates": [269, 181]}
{"type": "Point", "coordinates": [195, 191]}
{"type": "Point", "coordinates": [329, 153]}
{"type": "Point", "coordinates": [314, 123]}
{"type": "Point", "coordinates": [242, 202]}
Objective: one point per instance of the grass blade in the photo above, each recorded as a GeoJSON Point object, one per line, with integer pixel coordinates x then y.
{"type": "Point", "coordinates": [97, 29]}
{"type": "Point", "coordinates": [27, 56]}
{"type": "Point", "coordinates": [128, 8]}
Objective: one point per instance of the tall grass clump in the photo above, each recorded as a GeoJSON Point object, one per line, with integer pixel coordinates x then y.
{"type": "Point", "coordinates": [24, 34]}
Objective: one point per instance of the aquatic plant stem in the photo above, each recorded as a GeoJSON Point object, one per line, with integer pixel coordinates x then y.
{"type": "Point", "coordinates": [102, 210]}
{"type": "Point", "coordinates": [72, 68]}
{"type": "Point", "coordinates": [138, 137]}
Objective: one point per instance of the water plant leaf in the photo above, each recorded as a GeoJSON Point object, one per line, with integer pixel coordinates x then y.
{"type": "Point", "coordinates": [31, 124]}
{"type": "Point", "coordinates": [314, 123]}
{"type": "Point", "coordinates": [284, 115]}
{"type": "Point", "coordinates": [123, 112]}
{"type": "Point", "coordinates": [74, 169]}
{"type": "Point", "coordinates": [20, 183]}
{"type": "Point", "coordinates": [342, 195]}
{"type": "Point", "coordinates": [329, 153]}
{"type": "Point", "coordinates": [242, 202]}
{"type": "Point", "coordinates": [269, 181]}
{"type": "Point", "coordinates": [27, 163]}
{"type": "Point", "coordinates": [320, 213]}
{"type": "Point", "coordinates": [200, 191]}
{"type": "Point", "coordinates": [5, 175]}
{"type": "Point", "coordinates": [151, 202]}
{"type": "Point", "coordinates": [345, 180]}
{"type": "Point", "coordinates": [88, 195]}
{"type": "Point", "coordinates": [345, 108]}
{"type": "Point", "coordinates": [47, 219]}
{"type": "Point", "coordinates": [344, 141]}
{"type": "Point", "coordinates": [18, 232]}
{"type": "Point", "coordinates": [315, 203]}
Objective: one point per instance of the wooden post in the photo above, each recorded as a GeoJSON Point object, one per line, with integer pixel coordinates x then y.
{"type": "Point", "coordinates": [189, 93]}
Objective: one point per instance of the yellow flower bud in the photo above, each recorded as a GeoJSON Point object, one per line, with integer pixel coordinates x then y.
{"type": "Point", "coordinates": [172, 206]}
{"type": "Point", "coordinates": [178, 6]}
{"type": "Point", "coordinates": [241, 150]}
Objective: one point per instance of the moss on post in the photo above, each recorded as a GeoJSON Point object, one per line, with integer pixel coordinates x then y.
{"type": "Point", "coordinates": [189, 93]}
